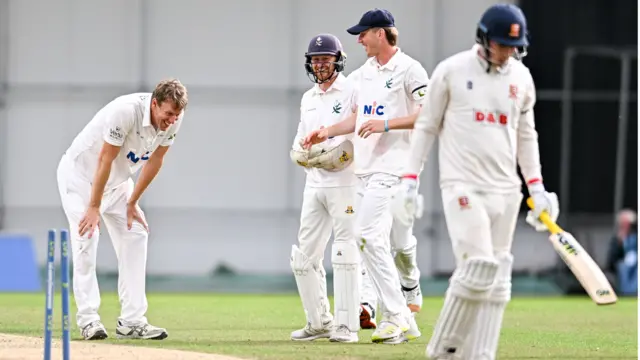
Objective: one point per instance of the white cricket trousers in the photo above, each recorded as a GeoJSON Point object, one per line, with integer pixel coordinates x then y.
{"type": "Point", "coordinates": [130, 247]}
{"type": "Point", "coordinates": [374, 225]}
{"type": "Point", "coordinates": [480, 224]}
{"type": "Point", "coordinates": [326, 210]}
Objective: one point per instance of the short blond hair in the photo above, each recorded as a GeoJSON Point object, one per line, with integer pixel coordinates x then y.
{"type": "Point", "coordinates": [173, 90]}
{"type": "Point", "coordinates": [391, 33]}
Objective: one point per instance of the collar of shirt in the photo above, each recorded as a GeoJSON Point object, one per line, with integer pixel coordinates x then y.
{"type": "Point", "coordinates": [484, 63]}
{"type": "Point", "coordinates": [338, 85]}
{"type": "Point", "coordinates": [391, 64]}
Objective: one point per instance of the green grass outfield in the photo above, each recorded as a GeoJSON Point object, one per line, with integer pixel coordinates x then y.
{"type": "Point", "coordinates": [258, 326]}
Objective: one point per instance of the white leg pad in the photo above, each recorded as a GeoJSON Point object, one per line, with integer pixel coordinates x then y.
{"type": "Point", "coordinates": [345, 258]}
{"type": "Point", "coordinates": [483, 342]}
{"type": "Point", "coordinates": [311, 280]}
{"type": "Point", "coordinates": [469, 287]}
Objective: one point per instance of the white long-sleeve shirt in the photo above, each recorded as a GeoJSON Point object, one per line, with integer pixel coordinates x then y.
{"type": "Point", "coordinates": [325, 108]}
{"type": "Point", "coordinates": [484, 121]}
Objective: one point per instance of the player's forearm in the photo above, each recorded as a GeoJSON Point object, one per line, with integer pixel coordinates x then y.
{"type": "Point", "coordinates": [529, 150]}
{"type": "Point", "coordinates": [529, 160]}
{"type": "Point", "coordinates": [403, 123]}
{"type": "Point", "coordinates": [347, 126]}
{"type": "Point", "coordinates": [100, 179]}
{"type": "Point", "coordinates": [147, 174]}
{"type": "Point", "coordinates": [421, 143]}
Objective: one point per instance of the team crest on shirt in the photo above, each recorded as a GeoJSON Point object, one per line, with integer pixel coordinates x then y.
{"type": "Point", "coordinates": [463, 201]}
{"type": "Point", "coordinates": [349, 210]}
{"type": "Point", "coordinates": [337, 107]}
{"type": "Point", "coordinates": [513, 91]}
{"type": "Point", "coordinates": [388, 83]}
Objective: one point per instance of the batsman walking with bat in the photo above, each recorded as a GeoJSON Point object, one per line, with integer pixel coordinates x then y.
{"type": "Point", "coordinates": [479, 103]}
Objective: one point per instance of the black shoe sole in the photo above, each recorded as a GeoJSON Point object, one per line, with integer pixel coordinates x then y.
{"type": "Point", "coordinates": [99, 335]}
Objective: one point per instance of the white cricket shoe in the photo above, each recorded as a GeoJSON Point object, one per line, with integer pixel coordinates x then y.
{"type": "Point", "coordinates": [414, 298]}
{"type": "Point", "coordinates": [94, 331]}
{"type": "Point", "coordinates": [389, 333]}
{"type": "Point", "coordinates": [413, 332]}
{"type": "Point", "coordinates": [143, 331]}
{"type": "Point", "coordinates": [308, 333]}
{"type": "Point", "coordinates": [342, 334]}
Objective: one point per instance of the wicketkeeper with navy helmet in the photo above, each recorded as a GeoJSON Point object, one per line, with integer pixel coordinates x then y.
{"type": "Point", "coordinates": [328, 204]}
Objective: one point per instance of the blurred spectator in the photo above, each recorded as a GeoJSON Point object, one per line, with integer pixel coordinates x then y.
{"type": "Point", "coordinates": [622, 258]}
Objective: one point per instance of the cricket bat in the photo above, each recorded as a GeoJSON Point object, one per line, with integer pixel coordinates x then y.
{"type": "Point", "coordinates": [579, 261]}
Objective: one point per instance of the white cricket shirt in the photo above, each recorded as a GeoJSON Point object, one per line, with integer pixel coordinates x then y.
{"type": "Point", "coordinates": [124, 122]}
{"type": "Point", "coordinates": [385, 92]}
{"type": "Point", "coordinates": [319, 108]}
{"type": "Point", "coordinates": [484, 121]}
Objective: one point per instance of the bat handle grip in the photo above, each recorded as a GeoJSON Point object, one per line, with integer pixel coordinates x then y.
{"type": "Point", "coordinates": [544, 217]}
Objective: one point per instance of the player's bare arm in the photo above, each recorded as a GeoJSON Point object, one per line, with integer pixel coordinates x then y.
{"type": "Point", "coordinates": [378, 126]}
{"type": "Point", "coordinates": [147, 174]}
{"type": "Point", "coordinates": [92, 217]}
{"type": "Point", "coordinates": [344, 127]}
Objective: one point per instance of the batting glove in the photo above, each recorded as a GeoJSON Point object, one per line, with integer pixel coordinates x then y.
{"type": "Point", "coordinates": [407, 204]}
{"type": "Point", "coordinates": [542, 201]}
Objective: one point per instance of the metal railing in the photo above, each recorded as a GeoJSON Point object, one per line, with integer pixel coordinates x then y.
{"type": "Point", "coordinates": [625, 56]}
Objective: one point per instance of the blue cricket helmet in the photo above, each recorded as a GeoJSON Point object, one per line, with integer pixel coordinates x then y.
{"type": "Point", "coordinates": [506, 25]}
{"type": "Point", "coordinates": [324, 44]}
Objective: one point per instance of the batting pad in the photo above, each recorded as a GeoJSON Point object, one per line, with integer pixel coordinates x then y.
{"type": "Point", "coordinates": [483, 343]}
{"type": "Point", "coordinates": [311, 281]}
{"type": "Point", "coordinates": [345, 259]}
{"type": "Point", "coordinates": [469, 288]}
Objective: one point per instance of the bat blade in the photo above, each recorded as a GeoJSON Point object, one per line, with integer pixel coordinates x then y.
{"type": "Point", "coordinates": [582, 265]}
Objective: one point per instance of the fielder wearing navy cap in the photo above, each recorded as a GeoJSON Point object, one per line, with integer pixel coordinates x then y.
{"type": "Point", "coordinates": [376, 18]}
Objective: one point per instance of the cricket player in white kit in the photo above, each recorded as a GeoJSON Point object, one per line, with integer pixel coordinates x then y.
{"type": "Point", "coordinates": [480, 104]}
{"type": "Point", "coordinates": [95, 180]}
{"type": "Point", "coordinates": [389, 85]}
{"type": "Point", "coordinates": [328, 201]}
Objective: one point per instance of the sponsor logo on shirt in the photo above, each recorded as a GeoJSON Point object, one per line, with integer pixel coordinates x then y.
{"type": "Point", "coordinates": [373, 109]}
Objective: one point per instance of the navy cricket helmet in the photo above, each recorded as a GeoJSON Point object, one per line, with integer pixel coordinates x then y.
{"type": "Point", "coordinates": [324, 44]}
{"type": "Point", "coordinates": [506, 25]}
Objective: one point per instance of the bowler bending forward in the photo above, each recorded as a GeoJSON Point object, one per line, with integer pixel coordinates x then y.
{"type": "Point", "coordinates": [95, 180]}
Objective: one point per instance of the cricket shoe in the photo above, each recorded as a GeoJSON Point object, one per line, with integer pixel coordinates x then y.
{"type": "Point", "coordinates": [94, 331]}
{"type": "Point", "coordinates": [140, 331]}
{"type": "Point", "coordinates": [367, 316]}
{"type": "Point", "coordinates": [413, 332]}
{"type": "Point", "coordinates": [308, 333]}
{"type": "Point", "coordinates": [413, 297]}
{"type": "Point", "coordinates": [342, 334]}
{"type": "Point", "coordinates": [389, 333]}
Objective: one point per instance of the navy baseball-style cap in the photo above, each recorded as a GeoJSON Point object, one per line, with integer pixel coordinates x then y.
{"type": "Point", "coordinates": [371, 19]}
